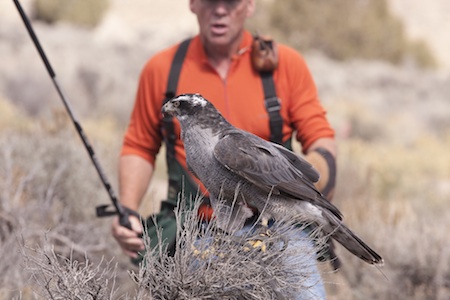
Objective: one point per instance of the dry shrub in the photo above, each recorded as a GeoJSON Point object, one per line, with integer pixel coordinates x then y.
{"type": "Point", "coordinates": [226, 266]}
{"type": "Point", "coordinates": [59, 277]}
{"type": "Point", "coordinates": [55, 164]}
{"type": "Point", "coordinates": [388, 194]}
{"type": "Point", "coordinates": [343, 29]}
{"type": "Point", "coordinates": [44, 189]}
{"type": "Point", "coordinates": [217, 266]}
{"type": "Point", "coordinates": [10, 116]}
{"type": "Point", "coordinates": [79, 12]}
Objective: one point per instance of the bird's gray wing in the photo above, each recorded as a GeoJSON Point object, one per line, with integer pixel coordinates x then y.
{"type": "Point", "coordinates": [300, 163]}
{"type": "Point", "coordinates": [263, 164]}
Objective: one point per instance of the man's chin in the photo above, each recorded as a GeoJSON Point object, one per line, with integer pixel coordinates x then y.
{"type": "Point", "coordinates": [219, 40]}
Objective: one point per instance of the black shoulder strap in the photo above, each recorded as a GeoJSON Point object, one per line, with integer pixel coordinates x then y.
{"type": "Point", "coordinates": [273, 107]}
{"type": "Point", "coordinates": [172, 84]}
{"type": "Point", "coordinates": [175, 69]}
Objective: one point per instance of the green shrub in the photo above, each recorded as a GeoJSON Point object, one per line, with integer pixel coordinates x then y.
{"type": "Point", "coordinates": [342, 29]}
{"type": "Point", "coordinates": [86, 13]}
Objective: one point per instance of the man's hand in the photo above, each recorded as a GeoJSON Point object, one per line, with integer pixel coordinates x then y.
{"type": "Point", "coordinates": [129, 240]}
{"type": "Point", "coordinates": [134, 177]}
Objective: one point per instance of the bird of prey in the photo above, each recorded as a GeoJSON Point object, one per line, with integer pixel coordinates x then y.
{"type": "Point", "coordinates": [242, 168]}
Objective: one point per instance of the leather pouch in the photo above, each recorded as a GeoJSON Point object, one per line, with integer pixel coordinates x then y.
{"type": "Point", "coordinates": [264, 54]}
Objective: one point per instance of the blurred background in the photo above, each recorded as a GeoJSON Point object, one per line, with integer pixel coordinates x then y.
{"type": "Point", "coordinates": [382, 68]}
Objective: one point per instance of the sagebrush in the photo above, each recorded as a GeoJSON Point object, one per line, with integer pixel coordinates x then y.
{"type": "Point", "coordinates": [78, 12]}
{"type": "Point", "coordinates": [342, 29]}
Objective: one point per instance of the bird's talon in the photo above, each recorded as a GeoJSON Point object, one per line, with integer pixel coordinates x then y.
{"type": "Point", "coordinates": [268, 233]}
{"type": "Point", "coordinates": [259, 242]}
{"type": "Point", "coordinates": [254, 244]}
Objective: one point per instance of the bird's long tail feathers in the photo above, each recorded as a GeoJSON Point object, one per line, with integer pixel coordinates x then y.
{"type": "Point", "coordinates": [355, 245]}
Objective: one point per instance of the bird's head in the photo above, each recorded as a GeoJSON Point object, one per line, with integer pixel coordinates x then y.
{"type": "Point", "coordinates": [186, 105]}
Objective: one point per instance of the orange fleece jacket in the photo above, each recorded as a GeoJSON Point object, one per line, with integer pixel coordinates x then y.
{"type": "Point", "coordinates": [240, 97]}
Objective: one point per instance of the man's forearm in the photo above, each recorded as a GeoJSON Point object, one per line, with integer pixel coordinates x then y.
{"type": "Point", "coordinates": [322, 155]}
{"type": "Point", "coordinates": [326, 143]}
{"type": "Point", "coordinates": [134, 177]}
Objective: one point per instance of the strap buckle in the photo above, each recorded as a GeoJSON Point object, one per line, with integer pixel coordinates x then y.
{"type": "Point", "coordinates": [273, 104]}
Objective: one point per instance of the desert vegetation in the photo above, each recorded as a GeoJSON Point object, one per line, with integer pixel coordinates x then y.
{"type": "Point", "coordinates": [82, 13]}
{"type": "Point", "coordinates": [392, 120]}
{"type": "Point", "coordinates": [343, 30]}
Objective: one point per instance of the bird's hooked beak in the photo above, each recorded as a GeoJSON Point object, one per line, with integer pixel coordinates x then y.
{"type": "Point", "coordinates": [169, 108]}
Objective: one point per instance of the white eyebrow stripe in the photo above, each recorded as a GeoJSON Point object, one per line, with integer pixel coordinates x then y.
{"type": "Point", "coordinates": [197, 99]}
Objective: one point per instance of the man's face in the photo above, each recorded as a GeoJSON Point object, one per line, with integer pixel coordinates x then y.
{"type": "Point", "coordinates": [221, 21]}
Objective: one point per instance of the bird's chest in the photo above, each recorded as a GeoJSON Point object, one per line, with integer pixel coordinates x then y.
{"type": "Point", "coordinates": [199, 146]}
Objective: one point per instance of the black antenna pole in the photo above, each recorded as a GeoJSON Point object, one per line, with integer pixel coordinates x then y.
{"type": "Point", "coordinates": [101, 211]}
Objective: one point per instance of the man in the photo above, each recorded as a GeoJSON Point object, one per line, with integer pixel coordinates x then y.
{"type": "Point", "coordinates": [218, 65]}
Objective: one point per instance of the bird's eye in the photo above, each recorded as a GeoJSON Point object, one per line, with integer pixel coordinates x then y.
{"type": "Point", "coordinates": [176, 104]}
